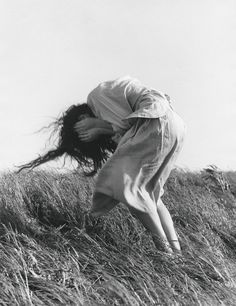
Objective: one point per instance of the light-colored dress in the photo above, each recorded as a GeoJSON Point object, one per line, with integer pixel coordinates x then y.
{"type": "Point", "coordinates": [149, 135]}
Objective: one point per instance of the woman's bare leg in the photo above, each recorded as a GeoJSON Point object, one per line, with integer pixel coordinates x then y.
{"type": "Point", "coordinates": [168, 226]}
{"type": "Point", "coordinates": [143, 207]}
{"type": "Point", "coordinates": [152, 223]}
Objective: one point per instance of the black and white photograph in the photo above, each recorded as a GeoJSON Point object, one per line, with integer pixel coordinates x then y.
{"type": "Point", "coordinates": [117, 152]}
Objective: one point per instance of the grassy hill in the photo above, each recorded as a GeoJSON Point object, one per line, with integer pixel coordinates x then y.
{"type": "Point", "coordinates": [48, 258]}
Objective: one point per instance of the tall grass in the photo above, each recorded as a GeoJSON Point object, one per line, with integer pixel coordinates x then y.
{"type": "Point", "coordinates": [53, 253]}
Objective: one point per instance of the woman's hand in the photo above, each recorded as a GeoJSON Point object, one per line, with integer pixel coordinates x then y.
{"type": "Point", "coordinates": [89, 129]}
{"type": "Point", "coordinates": [85, 124]}
{"type": "Point", "coordinates": [89, 135]}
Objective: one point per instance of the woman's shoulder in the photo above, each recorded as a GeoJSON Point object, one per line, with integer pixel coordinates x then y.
{"type": "Point", "coordinates": [112, 87]}
{"type": "Point", "coordinates": [118, 82]}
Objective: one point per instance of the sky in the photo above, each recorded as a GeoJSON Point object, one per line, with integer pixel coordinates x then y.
{"type": "Point", "coordinates": [54, 52]}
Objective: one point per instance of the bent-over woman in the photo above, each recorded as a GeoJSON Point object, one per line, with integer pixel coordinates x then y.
{"type": "Point", "coordinates": [132, 136]}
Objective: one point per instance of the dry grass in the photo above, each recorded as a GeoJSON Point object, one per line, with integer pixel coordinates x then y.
{"type": "Point", "coordinates": [48, 258]}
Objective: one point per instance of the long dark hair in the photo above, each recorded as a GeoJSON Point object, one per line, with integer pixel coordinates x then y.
{"type": "Point", "coordinates": [89, 154]}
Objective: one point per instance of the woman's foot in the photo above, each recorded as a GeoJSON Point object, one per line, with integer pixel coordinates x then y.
{"type": "Point", "coordinates": [162, 244]}
{"type": "Point", "coordinates": [175, 245]}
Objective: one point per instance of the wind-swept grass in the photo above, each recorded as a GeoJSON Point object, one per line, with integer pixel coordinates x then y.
{"type": "Point", "coordinates": [53, 253]}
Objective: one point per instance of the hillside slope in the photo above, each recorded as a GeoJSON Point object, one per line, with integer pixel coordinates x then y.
{"type": "Point", "coordinates": [48, 258]}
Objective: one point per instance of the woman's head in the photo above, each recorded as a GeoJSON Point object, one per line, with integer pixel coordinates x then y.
{"type": "Point", "coordinates": [91, 154]}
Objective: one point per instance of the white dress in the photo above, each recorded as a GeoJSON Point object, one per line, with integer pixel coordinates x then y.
{"type": "Point", "coordinates": [149, 134]}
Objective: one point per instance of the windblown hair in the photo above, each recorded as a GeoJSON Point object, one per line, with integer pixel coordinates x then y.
{"type": "Point", "coordinates": [89, 154]}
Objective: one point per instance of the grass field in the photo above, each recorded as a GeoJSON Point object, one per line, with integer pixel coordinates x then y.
{"type": "Point", "coordinates": [48, 258]}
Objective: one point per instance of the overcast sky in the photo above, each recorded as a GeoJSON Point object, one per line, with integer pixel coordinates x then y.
{"type": "Point", "coordinates": [53, 52]}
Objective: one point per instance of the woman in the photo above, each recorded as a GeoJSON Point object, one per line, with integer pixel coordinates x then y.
{"type": "Point", "coordinates": [139, 127]}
